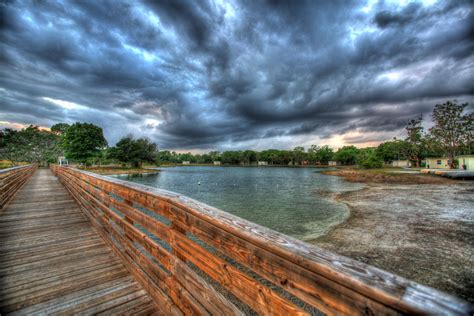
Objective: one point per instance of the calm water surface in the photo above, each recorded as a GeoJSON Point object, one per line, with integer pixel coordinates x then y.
{"type": "Point", "coordinates": [283, 199]}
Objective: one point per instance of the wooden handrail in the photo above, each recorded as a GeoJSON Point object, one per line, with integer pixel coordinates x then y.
{"type": "Point", "coordinates": [195, 259]}
{"type": "Point", "coordinates": [12, 179]}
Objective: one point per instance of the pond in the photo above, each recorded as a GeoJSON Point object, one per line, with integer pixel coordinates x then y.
{"type": "Point", "coordinates": [288, 200]}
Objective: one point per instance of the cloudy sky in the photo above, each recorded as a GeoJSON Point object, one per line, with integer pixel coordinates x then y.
{"type": "Point", "coordinates": [202, 75]}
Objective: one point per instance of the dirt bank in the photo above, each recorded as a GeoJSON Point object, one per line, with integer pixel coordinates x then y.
{"type": "Point", "coordinates": [422, 232]}
{"type": "Point", "coordinates": [392, 175]}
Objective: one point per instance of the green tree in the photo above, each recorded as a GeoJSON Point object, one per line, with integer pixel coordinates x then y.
{"type": "Point", "coordinates": [391, 150]}
{"type": "Point", "coordinates": [347, 155]}
{"type": "Point", "coordinates": [215, 155]}
{"type": "Point", "coordinates": [313, 154]}
{"type": "Point", "coordinates": [187, 157]}
{"type": "Point", "coordinates": [134, 151]}
{"type": "Point", "coordinates": [232, 157]}
{"type": "Point", "coordinates": [298, 155]}
{"type": "Point", "coordinates": [6, 137]}
{"type": "Point", "coordinates": [60, 128]}
{"type": "Point", "coordinates": [83, 141]}
{"type": "Point", "coordinates": [325, 154]}
{"type": "Point", "coordinates": [432, 147]}
{"type": "Point", "coordinates": [367, 158]}
{"type": "Point", "coordinates": [165, 156]}
{"type": "Point", "coordinates": [249, 156]}
{"type": "Point", "coordinates": [453, 129]}
{"type": "Point", "coordinates": [205, 158]}
{"type": "Point", "coordinates": [320, 154]}
{"type": "Point", "coordinates": [414, 143]}
{"type": "Point", "coordinates": [30, 144]}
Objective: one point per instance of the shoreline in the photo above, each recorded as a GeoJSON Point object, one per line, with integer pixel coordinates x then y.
{"type": "Point", "coordinates": [421, 231]}
{"type": "Point", "coordinates": [121, 171]}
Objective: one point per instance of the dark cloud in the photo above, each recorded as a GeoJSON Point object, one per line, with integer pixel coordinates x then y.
{"type": "Point", "coordinates": [234, 74]}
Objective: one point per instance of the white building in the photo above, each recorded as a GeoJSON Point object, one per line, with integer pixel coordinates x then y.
{"type": "Point", "coordinates": [62, 161]}
{"type": "Point", "coordinates": [437, 163]}
{"type": "Point", "coordinates": [263, 163]}
{"type": "Point", "coordinates": [401, 163]}
{"type": "Point", "coordinates": [217, 163]}
{"type": "Point", "coordinates": [186, 163]}
{"type": "Point", "coordinates": [466, 162]}
{"type": "Point", "coordinates": [334, 163]}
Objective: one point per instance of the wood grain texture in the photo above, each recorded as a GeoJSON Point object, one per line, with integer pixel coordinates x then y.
{"type": "Point", "coordinates": [266, 270]}
{"type": "Point", "coordinates": [53, 262]}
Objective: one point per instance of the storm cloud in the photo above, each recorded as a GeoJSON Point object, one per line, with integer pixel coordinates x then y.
{"type": "Point", "coordinates": [228, 74]}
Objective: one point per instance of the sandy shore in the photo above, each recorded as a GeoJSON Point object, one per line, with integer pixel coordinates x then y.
{"type": "Point", "coordinates": [423, 232]}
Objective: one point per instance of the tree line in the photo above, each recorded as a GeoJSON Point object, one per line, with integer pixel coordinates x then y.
{"type": "Point", "coordinates": [451, 135]}
{"type": "Point", "coordinates": [80, 142]}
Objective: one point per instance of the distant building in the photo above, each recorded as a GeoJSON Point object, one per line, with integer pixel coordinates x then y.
{"type": "Point", "coordinates": [401, 163]}
{"type": "Point", "coordinates": [263, 163]}
{"type": "Point", "coordinates": [62, 161]}
{"type": "Point", "coordinates": [217, 163]}
{"type": "Point", "coordinates": [437, 163]}
{"type": "Point", "coordinates": [186, 163]}
{"type": "Point", "coordinates": [334, 163]}
{"type": "Point", "coordinates": [466, 162]}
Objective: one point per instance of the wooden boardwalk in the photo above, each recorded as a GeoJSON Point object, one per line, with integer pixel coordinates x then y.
{"type": "Point", "coordinates": [52, 261]}
{"type": "Point", "coordinates": [129, 249]}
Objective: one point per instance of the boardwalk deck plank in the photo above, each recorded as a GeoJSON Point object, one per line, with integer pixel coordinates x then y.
{"type": "Point", "coordinates": [52, 261]}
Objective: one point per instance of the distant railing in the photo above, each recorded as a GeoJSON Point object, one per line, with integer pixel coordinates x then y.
{"type": "Point", "coordinates": [196, 259]}
{"type": "Point", "coordinates": [12, 179]}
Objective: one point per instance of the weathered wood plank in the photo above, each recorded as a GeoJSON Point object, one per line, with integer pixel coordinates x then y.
{"type": "Point", "coordinates": [130, 307]}
{"type": "Point", "coordinates": [47, 271]}
{"type": "Point", "coordinates": [52, 260]}
{"type": "Point", "coordinates": [41, 308]}
{"type": "Point", "coordinates": [96, 298]}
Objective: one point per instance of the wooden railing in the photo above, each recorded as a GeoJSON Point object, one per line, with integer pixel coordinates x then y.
{"type": "Point", "coordinates": [196, 259]}
{"type": "Point", "coordinates": [11, 180]}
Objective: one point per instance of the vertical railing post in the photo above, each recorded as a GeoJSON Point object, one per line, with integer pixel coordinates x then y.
{"type": "Point", "coordinates": [128, 220]}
